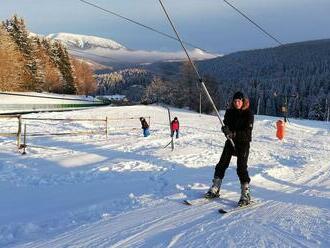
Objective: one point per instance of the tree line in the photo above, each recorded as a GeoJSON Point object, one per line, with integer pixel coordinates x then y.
{"type": "Point", "coordinates": [292, 80]}
{"type": "Point", "coordinates": [31, 63]}
{"type": "Point", "coordinates": [141, 85]}
{"type": "Point", "coordinates": [131, 82]}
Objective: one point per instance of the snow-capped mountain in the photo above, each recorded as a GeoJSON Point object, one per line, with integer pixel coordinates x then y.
{"type": "Point", "coordinates": [85, 41]}
{"type": "Point", "coordinates": [107, 51]}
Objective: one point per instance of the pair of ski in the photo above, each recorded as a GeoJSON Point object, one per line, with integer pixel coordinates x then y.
{"type": "Point", "coordinates": [236, 208]}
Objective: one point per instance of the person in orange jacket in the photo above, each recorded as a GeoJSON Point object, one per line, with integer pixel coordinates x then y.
{"type": "Point", "coordinates": [175, 127]}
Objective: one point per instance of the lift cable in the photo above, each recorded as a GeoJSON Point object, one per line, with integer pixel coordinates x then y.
{"type": "Point", "coordinates": [195, 69]}
{"type": "Point", "coordinates": [142, 25]}
{"type": "Point", "coordinates": [253, 22]}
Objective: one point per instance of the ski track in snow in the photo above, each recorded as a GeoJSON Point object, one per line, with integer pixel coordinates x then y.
{"type": "Point", "coordinates": [127, 191]}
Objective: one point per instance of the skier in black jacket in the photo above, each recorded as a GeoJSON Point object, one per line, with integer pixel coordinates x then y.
{"type": "Point", "coordinates": [145, 127]}
{"type": "Point", "coordinates": [238, 124]}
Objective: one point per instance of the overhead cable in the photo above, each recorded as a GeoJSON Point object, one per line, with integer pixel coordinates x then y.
{"type": "Point", "coordinates": [253, 22]}
{"type": "Point", "coordinates": [196, 71]}
{"type": "Point", "coordinates": [141, 24]}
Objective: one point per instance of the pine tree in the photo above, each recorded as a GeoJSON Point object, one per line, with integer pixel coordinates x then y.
{"type": "Point", "coordinates": [217, 96]}
{"type": "Point", "coordinates": [186, 91]}
{"type": "Point", "coordinates": [85, 81]}
{"type": "Point", "coordinates": [17, 29]}
{"type": "Point", "coordinates": [52, 75]}
{"type": "Point", "coordinates": [157, 92]}
{"type": "Point", "coordinates": [12, 62]}
{"type": "Point", "coordinates": [60, 57]}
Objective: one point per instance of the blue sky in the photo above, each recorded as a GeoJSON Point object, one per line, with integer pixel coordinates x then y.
{"type": "Point", "coordinates": [210, 24]}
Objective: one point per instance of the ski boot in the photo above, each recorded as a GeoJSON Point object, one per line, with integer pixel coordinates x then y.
{"type": "Point", "coordinates": [214, 191]}
{"type": "Point", "coordinates": [245, 195]}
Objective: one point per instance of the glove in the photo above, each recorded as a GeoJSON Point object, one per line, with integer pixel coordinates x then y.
{"type": "Point", "coordinates": [229, 134]}
{"type": "Point", "coordinates": [225, 130]}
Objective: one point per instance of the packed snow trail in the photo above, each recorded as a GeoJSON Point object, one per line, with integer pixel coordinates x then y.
{"type": "Point", "coordinates": [127, 191]}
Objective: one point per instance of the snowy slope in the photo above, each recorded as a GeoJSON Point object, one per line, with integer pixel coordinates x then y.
{"type": "Point", "coordinates": [34, 98]}
{"type": "Point", "coordinates": [107, 51]}
{"type": "Point", "coordinates": [11, 102]}
{"type": "Point", "coordinates": [127, 191]}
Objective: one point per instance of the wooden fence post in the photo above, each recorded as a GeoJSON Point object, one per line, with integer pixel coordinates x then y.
{"type": "Point", "coordinates": [19, 131]}
{"type": "Point", "coordinates": [106, 127]}
{"type": "Point", "coordinates": [24, 140]}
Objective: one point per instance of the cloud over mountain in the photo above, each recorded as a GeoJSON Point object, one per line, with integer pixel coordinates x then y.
{"type": "Point", "coordinates": [108, 51]}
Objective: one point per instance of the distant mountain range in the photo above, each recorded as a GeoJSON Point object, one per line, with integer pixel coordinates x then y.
{"type": "Point", "coordinates": [109, 52]}
{"type": "Point", "coordinates": [292, 80]}
{"type": "Point", "coordinates": [296, 76]}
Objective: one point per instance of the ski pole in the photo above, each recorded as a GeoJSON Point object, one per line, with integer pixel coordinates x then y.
{"type": "Point", "coordinates": [168, 144]}
{"type": "Point", "coordinates": [195, 69]}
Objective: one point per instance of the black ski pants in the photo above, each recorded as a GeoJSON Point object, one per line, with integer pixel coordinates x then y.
{"type": "Point", "coordinates": [242, 152]}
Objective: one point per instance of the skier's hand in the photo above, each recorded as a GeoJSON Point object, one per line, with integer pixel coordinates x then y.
{"type": "Point", "coordinates": [225, 130]}
{"type": "Point", "coordinates": [229, 134]}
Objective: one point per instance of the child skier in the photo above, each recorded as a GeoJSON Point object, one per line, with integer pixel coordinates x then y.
{"type": "Point", "coordinates": [175, 127]}
{"type": "Point", "coordinates": [145, 127]}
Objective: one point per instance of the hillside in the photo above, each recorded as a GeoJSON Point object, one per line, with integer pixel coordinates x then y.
{"type": "Point", "coordinates": [296, 60]}
{"type": "Point", "coordinates": [127, 191]}
{"type": "Point", "coordinates": [296, 75]}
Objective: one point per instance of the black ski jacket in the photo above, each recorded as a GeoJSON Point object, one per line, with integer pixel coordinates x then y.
{"type": "Point", "coordinates": [240, 121]}
{"type": "Point", "coordinates": [144, 124]}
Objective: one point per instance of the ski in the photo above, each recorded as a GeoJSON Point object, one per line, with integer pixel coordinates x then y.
{"type": "Point", "coordinates": [202, 200]}
{"type": "Point", "coordinates": [198, 201]}
{"type": "Point", "coordinates": [238, 208]}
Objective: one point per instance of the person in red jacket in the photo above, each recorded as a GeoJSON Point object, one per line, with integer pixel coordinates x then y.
{"type": "Point", "coordinates": [175, 127]}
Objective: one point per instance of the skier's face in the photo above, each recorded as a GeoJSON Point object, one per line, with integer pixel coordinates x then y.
{"type": "Point", "coordinates": [238, 103]}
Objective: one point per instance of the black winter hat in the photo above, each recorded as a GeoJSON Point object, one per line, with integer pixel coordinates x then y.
{"type": "Point", "coordinates": [238, 95]}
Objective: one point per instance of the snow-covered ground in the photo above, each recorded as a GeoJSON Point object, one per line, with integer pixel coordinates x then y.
{"type": "Point", "coordinates": [127, 191]}
{"type": "Point", "coordinates": [11, 102]}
